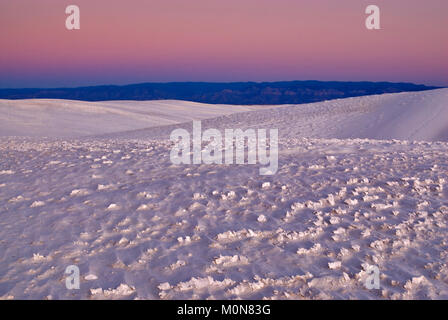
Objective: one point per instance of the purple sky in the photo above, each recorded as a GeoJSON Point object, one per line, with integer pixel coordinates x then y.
{"type": "Point", "coordinates": [215, 40]}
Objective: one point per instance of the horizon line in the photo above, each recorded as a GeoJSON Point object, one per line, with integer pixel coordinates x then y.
{"type": "Point", "coordinates": [221, 82]}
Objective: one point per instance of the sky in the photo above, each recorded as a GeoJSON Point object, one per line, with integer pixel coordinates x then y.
{"type": "Point", "coordinates": [133, 41]}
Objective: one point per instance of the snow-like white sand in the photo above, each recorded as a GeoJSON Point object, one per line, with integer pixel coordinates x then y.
{"type": "Point", "coordinates": [66, 118]}
{"type": "Point", "coordinates": [139, 227]}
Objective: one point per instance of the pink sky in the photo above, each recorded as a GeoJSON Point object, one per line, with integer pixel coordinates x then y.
{"type": "Point", "coordinates": [215, 40]}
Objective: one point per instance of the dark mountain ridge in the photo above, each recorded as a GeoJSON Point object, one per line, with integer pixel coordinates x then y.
{"type": "Point", "coordinates": [242, 93]}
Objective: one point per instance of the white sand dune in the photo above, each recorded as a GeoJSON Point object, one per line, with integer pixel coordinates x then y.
{"type": "Point", "coordinates": [139, 227]}
{"type": "Point", "coordinates": [403, 116]}
{"type": "Point", "coordinates": [66, 118]}
{"type": "Point", "coordinates": [420, 116]}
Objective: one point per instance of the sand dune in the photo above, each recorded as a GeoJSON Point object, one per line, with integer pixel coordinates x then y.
{"type": "Point", "coordinates": [66, 118]}
{"type": "Point", "coordinates": [402, 116]}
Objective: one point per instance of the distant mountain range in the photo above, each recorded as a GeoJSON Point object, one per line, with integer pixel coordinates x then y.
{"type": "Point", "coordinates": [242, 93]}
